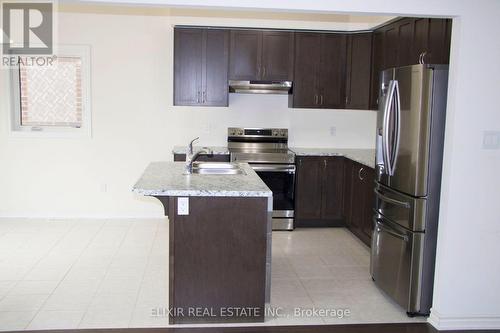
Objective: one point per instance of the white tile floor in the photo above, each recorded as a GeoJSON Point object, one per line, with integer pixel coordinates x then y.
{"type": "Point", "coordinates": [112, 273]}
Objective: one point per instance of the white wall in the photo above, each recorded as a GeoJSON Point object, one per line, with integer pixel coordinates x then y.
{"type": "Point", "coordinates": [135, 123]}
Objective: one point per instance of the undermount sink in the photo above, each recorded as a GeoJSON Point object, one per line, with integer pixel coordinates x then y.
{"type": "Point", "coordinates": [217, 168]}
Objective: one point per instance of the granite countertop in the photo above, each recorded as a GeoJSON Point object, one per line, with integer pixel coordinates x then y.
{"type": "Point", "coordinates": [217, 150]}
{"type": "Point", "coordinates": [167, 179]}
{"type": "Point", "coordinates": [363, 156]}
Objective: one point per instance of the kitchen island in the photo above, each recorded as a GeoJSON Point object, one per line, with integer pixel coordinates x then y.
{"type": "Point", "coordinates": [219, 242]}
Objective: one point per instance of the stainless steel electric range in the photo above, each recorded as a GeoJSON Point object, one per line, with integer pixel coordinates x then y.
{"type": "Point", "coordinates": [266, 150]}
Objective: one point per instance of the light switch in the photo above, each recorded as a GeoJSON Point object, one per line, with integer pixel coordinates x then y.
{"type": "Point", "coordinates": [182, 206]}
{"type": "Point", "coordinates": [491, 140]}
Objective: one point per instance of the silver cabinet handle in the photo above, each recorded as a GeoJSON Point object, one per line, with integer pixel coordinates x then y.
{"type": "Point", "coordinates": [359, 174]}
{"type": "Point", "coordinates": [198, 97]}
{"type": "Point", "coordinates": [324, 163]}
{"type": "Point", "coordinates": [321, 99]}
{"type": "Point", "coordinates": [204, 100]}
{"type": "Point", "coordinates": [391, 200]}
{"type": "Point", "coordinates": [264, 71]}
{"type": "Point", "coordinates": [421, 58]}
{"type": "Point", "coordinates": [274, 168]}
{"type": "Point", "coordinates": [316, 99]}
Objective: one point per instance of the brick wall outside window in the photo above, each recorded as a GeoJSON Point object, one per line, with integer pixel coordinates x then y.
{"type": "Point", "coordinates": [52, 95]}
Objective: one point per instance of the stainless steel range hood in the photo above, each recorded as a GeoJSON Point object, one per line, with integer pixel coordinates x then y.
{"type": "Point", "coordinates": [260, 87]}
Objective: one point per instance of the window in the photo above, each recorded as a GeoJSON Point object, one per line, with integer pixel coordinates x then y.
{"type": "Point", "coordinates": [53, 98]}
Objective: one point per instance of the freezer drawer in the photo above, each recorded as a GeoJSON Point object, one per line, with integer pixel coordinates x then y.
{"type": "Point", "coordinates": [395, 263]}
{"type": "Point", "coordinates": [407, 211]}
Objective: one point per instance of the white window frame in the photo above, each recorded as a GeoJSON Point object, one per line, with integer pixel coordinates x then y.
{"type": "Point", "coordinates": [18, 130]}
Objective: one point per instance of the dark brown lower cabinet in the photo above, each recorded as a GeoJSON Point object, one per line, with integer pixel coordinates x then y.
{"type": "Point", "coordinates": [318, 191]}
{"type": "Point", "coordinates": [359, 199]}
{"type": "Point", "coordinates": [217, 259]}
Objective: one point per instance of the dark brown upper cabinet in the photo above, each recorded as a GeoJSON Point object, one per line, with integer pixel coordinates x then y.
{"type": "Point", "coordinates": [319, 70]}
{"type": "Point", "coordinates": [409, 41]}
{"type": "Point", "coordinates": [277, 55]}
{"type": "Point", "coordinates": [201, 58]}
{"type": "Point", "coordinates": [358, 71]}
{"type": "Point", "coordinates": [261, 55]}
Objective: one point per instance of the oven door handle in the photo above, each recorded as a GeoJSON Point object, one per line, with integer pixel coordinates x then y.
{"type": "Point", "coordinates": [273, 167]}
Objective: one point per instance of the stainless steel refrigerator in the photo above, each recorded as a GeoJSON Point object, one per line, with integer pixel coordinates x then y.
{"type": "Point", "coordinates": [410, 135]}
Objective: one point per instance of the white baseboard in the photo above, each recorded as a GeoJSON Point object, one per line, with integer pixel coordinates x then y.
{"type": "Point", "coordinates": [78, 216]}
{"type": "Point", "coordinates": [442, 322]}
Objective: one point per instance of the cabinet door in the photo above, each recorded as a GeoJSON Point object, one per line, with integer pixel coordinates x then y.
{"type": "Point", "coordinates": [420, 37]}
{"type": "Point", "coordinates": [346, 204]}
{"type": "Point", "coordinates": [369, 202]}
{"type": "Point", "coordinates": [357, 203]}
{"type": "Point", "coordinates": [188, 49]}
{"type": "Point", "coordinates": [378, 63]}
{"type": "Point", "coordinates": [332, 193]}
{"type": "Point", "coordinates": [405, 43]}
{"type": "Point", "coordinates": [358, 71]}
{"type": "Point", "coordinates": [361, 206]}
{"type": "Point", "coordinates": [437, 53]}
{"type": "Point", "coordinates": [308, 189]}
{"type": "Point", "coordinates": [391, 40]}
{"type": "Point", "coordinates": [215, 87]}
{"type": "Point", "coordinates": [245, 55]}
{"type": "Point", "coordinates": [307, 51]}
{"type": "Point", "coordinates": [277, 55]}
{"type": "Point", "coordinates": [332, 71]}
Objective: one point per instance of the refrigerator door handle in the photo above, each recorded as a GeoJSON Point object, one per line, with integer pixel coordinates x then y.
{"type": "Point", "coordinates": [397, 121]}
{"type": "Point", "coordinates": [391, 200]}
{"type": "Point", "coordinates": [381, 227]}
{"type": "Point", "coordinates": [385, 127]}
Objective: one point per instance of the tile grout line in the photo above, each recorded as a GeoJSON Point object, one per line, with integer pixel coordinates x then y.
{"type": "Point", "coordinates": [144, 273]}
{"type": "Point", "coordinates": [60, 281]}
{"type": "Point", "coordinates": [48, 251]}
{"type": "Point", "coordinates": [107, 270]}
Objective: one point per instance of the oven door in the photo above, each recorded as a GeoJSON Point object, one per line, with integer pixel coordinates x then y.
{"type": "Point", "coordinates": [280, 178]}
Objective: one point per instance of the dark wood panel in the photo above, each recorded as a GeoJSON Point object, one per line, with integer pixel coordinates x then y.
{"type": "Point", "coordinates": [308, 189]}
{"type": "Point", "coordinates": [346, 202]}
{"type": "Point", "coordinates": [188, 48]}
{"type": "Point", "coordinates": [218, 257]}
{"type": "Point", "coordinates": [421, 37]}
{"type": "Point", "coordinates": [215, 86]}
{"type": "Point", "coordinates": [361, 189]}
{"type": "Point", "coordinates": [245, 55]}
{"type": "Point", "coordinates": [277, 55]}
{"type": "Point", "coordinates": [332, 194]}
{"type": "Point", "coordinates": [437, 41]}
{"type": "Point", "coordinates": [204, 158]}
{"type": "Point", "coordinates": [307, 59]}
{"type": "Point", "coordinates": [377, 64]}
{"type": "Point", "coordinates": [369, 203]}
{"type": "Point", "coordinates": [410, 327]}
{"type": "Point", "coordinates": [391, 40]}
{"type": "Point", "coordinates": [332, 71]}
{"type": "Point", "coordinates": [405, 43]}
{"type": "Point", "coordinates": [358, 71]}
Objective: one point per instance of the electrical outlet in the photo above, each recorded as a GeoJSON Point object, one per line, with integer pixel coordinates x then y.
{"type": "Point", "coordinates": [183, 206]}
{"type": "Point", "coordinates": [491, 140]}
{"type": "Point", "coordinates": [333, 131]}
